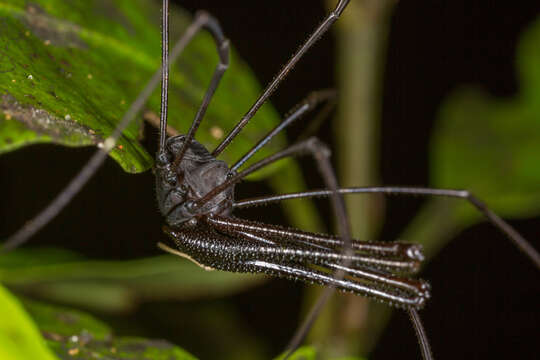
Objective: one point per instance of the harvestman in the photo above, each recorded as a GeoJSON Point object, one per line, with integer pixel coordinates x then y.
{"type": "Point", "coordinates": [195, 193]}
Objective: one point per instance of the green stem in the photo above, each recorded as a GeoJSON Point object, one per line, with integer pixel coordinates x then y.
{"type": "Point", "coordinates": [361, 38]}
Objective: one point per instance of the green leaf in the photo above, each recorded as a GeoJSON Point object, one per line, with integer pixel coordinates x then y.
{"type": "Point", "coordinates": [69, 71]}
{"type": "Point", "coordinates": [500, 142]}
{"type": "Point", "coordinates": [114, 286]}
{"type": "Point", "coordinates": [19, 337]}
{"type": "Point", "coordinates": [527, 59]}
{"type": "Point", "coordinates": [75, 334]}
{"type": "Point", "coordinates": [55, 320]}
{"type": "Point", "coordinates": [489, 146]}
{"type": "Point", "coordinates": [213, 327]}
{"type": "Point", "coordinates": [302, 353]}
{"type": "Point", "coordinates": [310, 353]}
{"type": "Point", "coordinates": [492, 146]}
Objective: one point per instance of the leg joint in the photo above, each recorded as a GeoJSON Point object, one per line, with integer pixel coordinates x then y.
{"type": "Point", "coordinates": [318, 148]}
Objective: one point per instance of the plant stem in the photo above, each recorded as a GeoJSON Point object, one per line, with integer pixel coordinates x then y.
{"type": "Point", "coordinates": [361, 43]}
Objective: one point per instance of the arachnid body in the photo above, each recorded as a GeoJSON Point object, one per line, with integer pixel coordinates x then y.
{"type": "Point", "coordinates": [221, 207]}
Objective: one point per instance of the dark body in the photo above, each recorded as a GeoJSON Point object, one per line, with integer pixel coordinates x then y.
{"type": "Point", "coordinates": [210, 236]}
{"type": "Point", "coordinates": [197, 174]}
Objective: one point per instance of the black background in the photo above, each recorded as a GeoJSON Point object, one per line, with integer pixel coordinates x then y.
{"type": "Point", "coordinates": [485, 305]}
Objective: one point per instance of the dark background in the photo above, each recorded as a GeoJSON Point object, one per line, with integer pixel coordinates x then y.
{"type": "Point", "coordinates": [485, 304]}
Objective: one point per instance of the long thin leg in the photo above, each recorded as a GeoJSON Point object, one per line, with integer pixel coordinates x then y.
{"type": "Point", "coordinates": [75, 185]}
{"type": "Point", "coordinates": [164, 74]}
{"type": "Point", "coordinates": [310, 102]}
{"type": "Point", "coordinates": [319, 31]}
{"type": "Point", "coordinates": [329, 258]}
{"type": "Point", "coordinates": [395, 249]}
{"type": "Point", "coordinates": [371, 290]}
{"type": "Point", "coordinates": [322, 156]}
{"type": "Point", "coordinates": [212, 25]}
{"type": "Point", "coordinates": [242, 252]}
{"type": "Point", "coordinates": [420, 334]}
{"type": "Point", "coordinates": [518, 240]}
{"type": "Point", "coordinates": [312, 146]}
{"type": "Point", "coordinates": [401, 263]}
{"type": "Point", "coordinates": [314, 125]}
{"type": "Point", "coordinates": [401, 257]}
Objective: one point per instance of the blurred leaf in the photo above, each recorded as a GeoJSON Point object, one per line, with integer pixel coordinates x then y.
{"type": "Point", "coordinates": [489, 146]}
{"type": "Point", "coordinates": [492, 146]}
{"type": "Point", "coordinates": [302, 353]}
{"type": "Point", "coordinates": [19, 337]}
{"type": "Point", "coordinates": [527, 59]}
{"type": "Point", "coordinates": [114, 286]}
{"type": "Point", "coordinates": [210, 328]}
{"type": "Point", "coordinates": [65, 322]}
{"type": "Point", "coordinates": [309, 353]}
{"type": "Point", "coordinates": [72, 333]}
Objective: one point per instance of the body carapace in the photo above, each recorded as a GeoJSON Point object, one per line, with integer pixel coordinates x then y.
{"type": "Point", "coordinates": [197, 174]}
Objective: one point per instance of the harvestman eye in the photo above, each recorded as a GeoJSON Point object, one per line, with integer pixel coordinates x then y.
{"type": "Point", "coordinates": [201, 223]}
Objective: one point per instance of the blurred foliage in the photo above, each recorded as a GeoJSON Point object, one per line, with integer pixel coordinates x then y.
{"type": "Point", "coordinates": [489, 146]}
{"type": "Point", "coordinates": [498, 137]}
{"type": "Point", "coordinates": [114, 286]}
{"type": "Point", "coordinates": [19, 337]}
{"type": "Point", "coordinates": [303, 353]}
{"type": "Point", "coordinates": [74, 334]}
{"type": "Point", "coordinates": [310, 353]}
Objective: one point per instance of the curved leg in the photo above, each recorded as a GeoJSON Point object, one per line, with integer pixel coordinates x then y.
{"type": "Point", "coordinates": [270, 88]}
{"type": "Point", "coordinates": [286, 239]}
{"type": "Point", "coordinates": [281, 235]}
{"type": "Point", "coordinates": [310, 102]}
{"type": "Point", "coordinates": [321, 154]}
{"type": "Point", "coordinates": [420, 334]}
{"type": "Point", "coordinates": [295, 271]}
{"type": "Point", "coordinates": [88, 170]}
{"type": "Point", "coordinates": [497, 221]}
{"type": "Point", "coordinates": [242, 252]}
{"type": "Point", "coordinates": [222, 44]}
